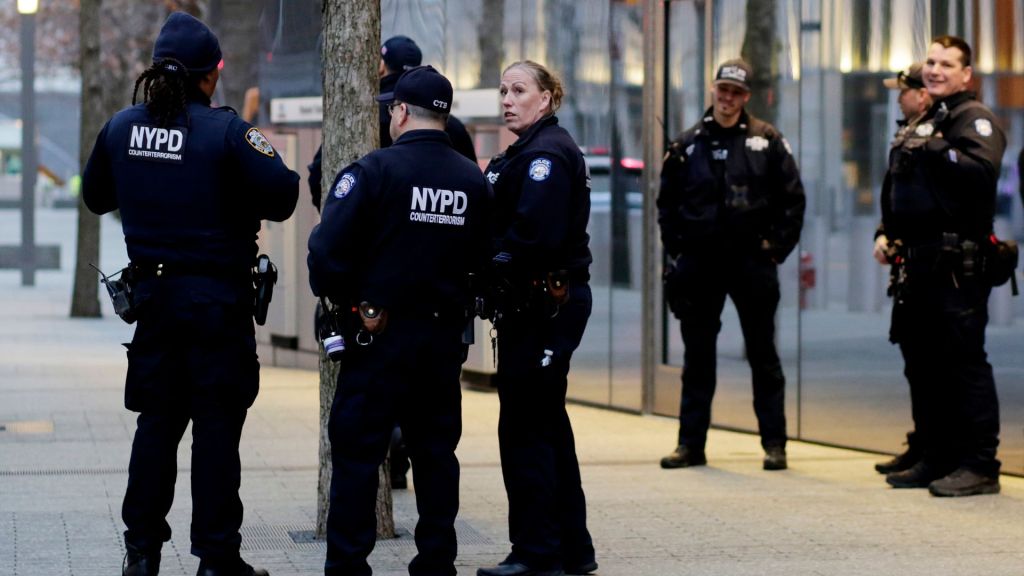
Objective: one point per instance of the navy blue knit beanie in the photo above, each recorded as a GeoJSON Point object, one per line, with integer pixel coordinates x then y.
{"type": "Point", "coordinates": [188, 40]}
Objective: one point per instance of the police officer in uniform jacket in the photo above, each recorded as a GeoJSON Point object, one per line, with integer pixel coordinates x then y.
{"type": "Point", "coordinates": [401, 230]}
{"type": "Point", "coordinates": [730, 208]}
{"type": "Point", "coordinates": [939, 204]}
{"type": "Point", "coordinates": [914, 102]}
{"type": "Point", "coordinates": [192, 184]}
{"type": "Point", "coordinates": [542, 197]}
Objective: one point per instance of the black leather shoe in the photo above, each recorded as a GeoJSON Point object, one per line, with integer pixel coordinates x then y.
{"type": "Point", "coordinates": [775, 458]}
{"type": "Point", "coordinates": [899, 463]}
{"type": "Point", "coordinates": [516, 569]}
{"type": "Point", "coordinates": [238, 569]}
{"type": "Point", "coordinates": [581, 569]}
{"type": "Point", "coordinates": [964, 482]}
{"type": "Point", "coordinates": [919, 475]}
{"type": "Point", "coordinates": [684, 457]}
{"type": "Point", "coordinates": [138, 564]}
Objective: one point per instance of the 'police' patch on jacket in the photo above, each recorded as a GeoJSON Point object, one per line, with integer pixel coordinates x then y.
{"type": "Point", "coordinates": [157, 144]}
{"type": "Point", "coordinates": [540, 169]}
{"type": "Point", "coordinates": [345, 185]}
{"type": "Point", "coordinates": [259, 142]}
{"type": "Point", "coordinates": [984, 127]}
{"type": "Point", "coordinates": [757, 143]}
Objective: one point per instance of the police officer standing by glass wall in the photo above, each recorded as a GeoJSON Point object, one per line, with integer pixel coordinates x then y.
{"type": "Point", "coordinates": [914, 102]}
{"type": "Point", "coordinates": [402, 229]}
{"type": "Point", "coordinates": [541, 274]}
{"type": "Point", "coordinates": [937, 214]}
{"type": "Point", "coordinates": [192, 183]}
{"type": "Point", "coordinates": [731, 208]}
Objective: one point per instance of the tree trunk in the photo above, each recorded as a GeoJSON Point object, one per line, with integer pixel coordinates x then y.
{"type": "Point", "coordinates": [492, 43]}
{"type": "Point", "coordinates": [351, 36]}
{"type": "Point", "coordinates": [760, 49]}
{"type": "Point", "coordinates": [85, 301]}
{"type": "Point", "coordinates": [236, 24]}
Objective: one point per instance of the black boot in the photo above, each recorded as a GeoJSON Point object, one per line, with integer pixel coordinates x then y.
{"type": "Point", "coordinates": [516, 569]}
{"type": "Point", "coordinates": [965, 482]}
{"type": "Point", "coordinates": [137, 563]}
{"type": "Point", "coordinates": [775, 458]}
{"type": "Point", "coordinates": [236, 568]}
{"type": "Point", "coordinates": [900, 462]}
{"type": "Point", "coordinates": [919, 475]}
{"type": "Point", "coordinates": [684, 457]}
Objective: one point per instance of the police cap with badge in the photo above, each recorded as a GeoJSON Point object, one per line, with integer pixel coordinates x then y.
{"type": "Point", "coordinates": [400, 53]}
{"type": "Point", "coordinates": [735, 72]}
{"type": "Point", "coordinates": [910, 79]}
{"type": "Point", "coordinates": [422, 86]}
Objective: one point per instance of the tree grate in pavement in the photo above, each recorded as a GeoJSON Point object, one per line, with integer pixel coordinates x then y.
{"type": "Point", "coordinates": [300, 537]}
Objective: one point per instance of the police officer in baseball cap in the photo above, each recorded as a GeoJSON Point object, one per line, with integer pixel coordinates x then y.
{"type": "Point", "coordinates": [400, 232]}
{"type": "Point", "coordinates": [192, 184]}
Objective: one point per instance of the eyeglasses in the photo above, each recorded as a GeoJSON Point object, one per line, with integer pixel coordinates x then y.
{"type": "Point", "coordinates": [392, 106]}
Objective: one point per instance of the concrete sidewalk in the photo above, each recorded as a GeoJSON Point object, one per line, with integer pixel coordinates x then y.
{"type": "Point", "coordinates": [65, 444]}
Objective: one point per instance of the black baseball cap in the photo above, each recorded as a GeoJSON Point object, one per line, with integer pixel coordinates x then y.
{"type": "Point", "coordinates": [186, 39]}
{"type": "Point", "coordinates": [912, 78]}
{"type": "Point", "coordinates": [401, 53]}
{"type": "Point", "coordinates": [422, 86]}
{"type": "Point", "coordinates": [736, 72]}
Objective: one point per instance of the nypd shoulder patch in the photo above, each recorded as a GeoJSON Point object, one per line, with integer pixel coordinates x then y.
{"type": "Point", "coordinates": [345, 185]}
{"type": "Point", "coordinates": [540, 169]}
{"type": "Point", "coordinates": [259, 142]}
{"type": "Point", "coordinates": [983, 126]}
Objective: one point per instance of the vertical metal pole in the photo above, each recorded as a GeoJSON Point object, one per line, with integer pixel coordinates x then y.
{"type": "Point", "coordinates": [28, 149]}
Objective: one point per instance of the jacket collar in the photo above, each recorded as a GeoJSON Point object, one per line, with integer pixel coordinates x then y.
{"type": "Point", "coordinates": [952, 101]}
{"type": "Point", "coordinates": [423, 135]}
{"type": "Point", "coordinates": [531, 133]}
{"type": "Point", "coordinates": [710, 126]}
{"type": "Point", "coordinates": [387, 83]}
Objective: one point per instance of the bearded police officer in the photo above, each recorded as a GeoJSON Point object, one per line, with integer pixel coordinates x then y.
{"type": "Point", "coordinates": [192, 184]}
{"type": "Point", "coordinates": [401, 230]}
{"type": "Point", "coordinates": [730, 208]}
{"type": "Point", "coordinates": [914, 102]}
{"type": "Point", "coordinates": [937, 211]}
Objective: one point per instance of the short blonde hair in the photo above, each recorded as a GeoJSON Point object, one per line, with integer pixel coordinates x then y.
{"type": "Point", "coordinates": [545, 79]}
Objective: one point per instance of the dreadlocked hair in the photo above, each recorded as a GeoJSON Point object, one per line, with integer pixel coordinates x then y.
{"type": "Point", "coordinates": [165, 90]}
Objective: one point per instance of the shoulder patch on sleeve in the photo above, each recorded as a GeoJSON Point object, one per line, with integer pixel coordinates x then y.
{"type": "Point", "coordinates": [540, 169]}
{"type": "Point", "coordinates": [983, 126]}
{"type": "Point", "coordinates": [345, 185]}
{"type": "Point", "coordinates": [259, 142]}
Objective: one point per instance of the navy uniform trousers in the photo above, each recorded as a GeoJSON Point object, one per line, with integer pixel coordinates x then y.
{"type": "Point", "coordinates": [408, 376]}
{"type": "Point", "coordinates": [547, 508]}
{"type": "Point", "coordinates": [192, 358]}
{"type": "Point", "coordinates": [940, 328]}
{"type": "Point", "coordinates": [699, 290]}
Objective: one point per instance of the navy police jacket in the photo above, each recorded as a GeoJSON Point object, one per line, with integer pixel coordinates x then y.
{"type": "Point", "coordinates": [402, 228]}
{"type": "Point", "coordinates": [542, 202]}
{"type": "Point", "coordinates": [942, 177]}
{"type": "Point", "coordinates": [758, 205]}
{"type": "Point", "coordinates": [191, 194]}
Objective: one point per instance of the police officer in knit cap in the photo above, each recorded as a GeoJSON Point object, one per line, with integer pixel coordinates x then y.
{"type": "Point", "coordinates": [401, 230]}
{"type": "Point", "coordinates": [192, 184]}
{"type": "Point", "coordinates": [731, 209]}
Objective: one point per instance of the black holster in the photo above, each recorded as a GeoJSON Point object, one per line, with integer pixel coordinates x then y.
{"type": "Point", "coordinates": [264, 276]}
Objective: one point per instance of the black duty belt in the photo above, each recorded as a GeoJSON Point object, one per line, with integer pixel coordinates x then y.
{"type": "Point", "coordinates": [207, 269]}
